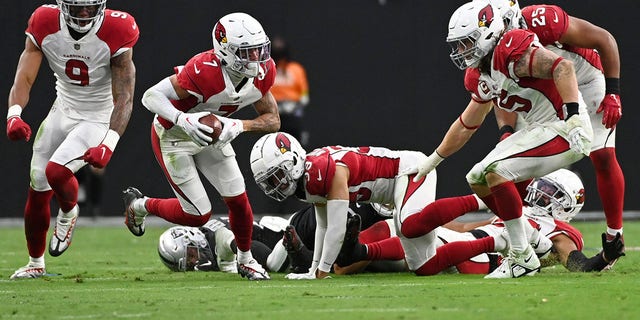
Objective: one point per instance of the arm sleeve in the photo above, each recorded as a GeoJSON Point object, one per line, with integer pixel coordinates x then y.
{"type": "Point", "coordinates": [578, 262]}
{"type": "Point", "coordinates": [321, 230]}
{"type": "Point", "coordinates": [336, 228]}
{"type": "Point", "coordinates": [158, 100]}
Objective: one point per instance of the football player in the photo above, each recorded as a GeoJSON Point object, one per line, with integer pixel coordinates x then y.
{"type": "Point", "coordinates": [89, 49]}
{"type": "Point", "coordinates": [332, 177]}
{"type": "Point", "coordinates": [514, 71]}
{"type": "Point", "coordinates": [238, 72]}
{"type": "Point", "coordinates": [594, 53]}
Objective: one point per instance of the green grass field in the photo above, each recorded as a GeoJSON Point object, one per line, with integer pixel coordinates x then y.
{"type": "Point", "coordinates": [109, 274]}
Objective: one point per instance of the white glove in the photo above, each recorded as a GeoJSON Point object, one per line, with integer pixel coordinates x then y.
{"type": "Point", "coordinates": [231, 128]}
{"type": "Point", "coordinates": [301, 276]}
{"type": "Point", "coordinates": [190, 123]}
{"type": "Point", "coordinates": [578, 139]}
{"type": "Point", "coordinates": [428, 165]}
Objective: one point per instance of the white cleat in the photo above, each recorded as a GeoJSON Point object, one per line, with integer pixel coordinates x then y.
{"type": "Point", "coordinates": [253, 271]}
{"type": "Point", "coordinates": [63, 232]}
{"type": "Point", "coordinates": [540, 244]}
{"type": "Point", "coordinates": [30, 271]}
{"type": "Point", "coordinates": [517, 265]}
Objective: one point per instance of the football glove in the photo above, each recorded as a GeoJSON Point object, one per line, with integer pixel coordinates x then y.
{"type": "Point", "coordinates": [231, 128]}
{"type": "Point", "coordinates": [190, 123]}
{"type": "Point", "coordinates": [17, 129]}
{"type": "Point", "coordinates": [98, 156]}
{"type": "Point", "coordinates": [612, 108]}
{"type": "Point", "coordinates": [428, 165]}
{"type": "Point", "coordinates": [613, 249]}
{"type": "Point", "coordinates": [578, 139]}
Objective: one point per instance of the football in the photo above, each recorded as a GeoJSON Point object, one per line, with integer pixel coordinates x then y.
{"type": "Point", "coordinates": [213, 122]}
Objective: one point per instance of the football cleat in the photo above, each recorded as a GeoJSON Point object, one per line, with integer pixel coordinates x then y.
{"type": "Point", "coordinates": [30, 271]}
{"type": "Point", "coordinates": [63, 232]}
{"type": "Point", "coordinates": [610, 238]}
{"type": "Point", "coordinates": [133, 219]}
{"type": "Point", "coordinates": [541, 245]}
{"type": "Point", "coordinates": [517, 265]}
{"type": "Point", "coordinates": [291, 241]}
{"type": "Point", "coordinates": [352, 250]}
{"type": "Point", "coordinates": [253, 271]}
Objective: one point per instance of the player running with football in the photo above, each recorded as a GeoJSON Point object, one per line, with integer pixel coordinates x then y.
{"type": "Point", "coordinates": [89, 49]}
{"type": "Point", "coordinates": [594, 53]}
{"type": "Point", "coordinates": [514, 71]}
{"type": "Point", "coordinates": [237, 73]}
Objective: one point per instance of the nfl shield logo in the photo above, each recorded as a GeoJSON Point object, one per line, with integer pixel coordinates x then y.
{"type": "Point", "coordinates": [76, 46]}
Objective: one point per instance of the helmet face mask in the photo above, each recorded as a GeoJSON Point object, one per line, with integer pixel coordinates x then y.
{"type": "Point", "coordinates": [241, 43]}
{"type": "Point", "coordinates": [183, 248]}
{"type": "Point", "coordinates": [277, 162]}
{"type": "Point", "coordinates": [81, 15]}
{"type": "Point", "coordinates": [474, 30]}
{"type": "Point", "coordinates": [559, 194]}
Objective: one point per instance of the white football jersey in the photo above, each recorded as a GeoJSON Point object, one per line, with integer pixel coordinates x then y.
{"type": "Point", "coordinates": [82, 67]}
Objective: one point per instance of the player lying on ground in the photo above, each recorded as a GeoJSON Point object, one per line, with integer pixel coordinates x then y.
{"type": "Point", "coordinates": [553, 201]}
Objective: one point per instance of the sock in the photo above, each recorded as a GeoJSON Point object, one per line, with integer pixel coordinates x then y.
{"type": "Point", "coordinates": [454, 253]}
{"type": "Point", "coordinates": [64, 185]}
{"type": "Point", "coordinates": [378, 231]}
{"type": "Point", "coordinates": [37, 261]}
{"type": "Point", "coordinates": [610, 181]}
{"type": "Point", "coordinates": [517, 235]}
{"type": "Point", "coordinates": [241, 220]}
{"type": "Point", "coordinates": [244, 257]}
{"type": "Point", "coordinates": [37, 214]}
{"type": "Point", "coordinates": [490, 202]}
{"type": "Point", "coordinates": [613, 232]}
{"type": "Point", "coordinates": [436, 214]}
{"type": "Point", "coordinates": [170, 210]}
{"type": "Point", "coordinates": [507, 201]}
{"type": "Point", "coordinates": [387, 249]}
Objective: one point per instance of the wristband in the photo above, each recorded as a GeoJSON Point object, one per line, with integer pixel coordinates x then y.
{"type": "Point", "coordinates": [14, 111]}
{"type": "Point", "coordinates": [504, 129]}
{"type": "Point", "coordinates": [612, 86]}
{"type": "Point", "coordinates": [439, 158]}
{"type": "Point", "coordinates": [111, 139]}
{"type": "Point", "coordinates": [572, 109]}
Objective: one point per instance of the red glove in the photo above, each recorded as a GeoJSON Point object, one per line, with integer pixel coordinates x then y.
{"type": "Point", "coordinates": [98, 156]}
{"type": "Point", "coordinates": [612, 108]}
{"type": "Point", "coordinates": [17, 129]}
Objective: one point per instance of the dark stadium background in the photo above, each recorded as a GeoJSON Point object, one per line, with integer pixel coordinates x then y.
{"type": "Point", "coordinates": [379, 75]}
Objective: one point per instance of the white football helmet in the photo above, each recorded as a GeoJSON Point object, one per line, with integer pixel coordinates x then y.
{"type": "Point", "coordinates": [559, 194]}
{"type": "Point", "coordinates": [183, 248]}
{"type": "Point", "coordinates": [76, 19]}
{"type": "Point", "coordinates": [474, 31]}
{"type": "Point", "coordinates": [241, 43]}
{"type": "Point", "coordinates": [510, 12]}
{"type": "Point", "coordinates": [277, 161]}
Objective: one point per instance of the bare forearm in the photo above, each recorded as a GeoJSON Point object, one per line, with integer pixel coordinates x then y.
{"type": "Point", "coordinates": [123, 84]}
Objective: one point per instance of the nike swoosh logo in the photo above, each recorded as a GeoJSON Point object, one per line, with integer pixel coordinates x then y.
{"type": "Point", "coordinates": [556, 18]}
{"type": "Point", "coordinates": [104, 150]}
{"type": "Point", "coordinates": [508, 44]}
{"type": "Point", "coordinates": [528, 259]}
{"type": "Point", "coordinates": [195, 67]}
